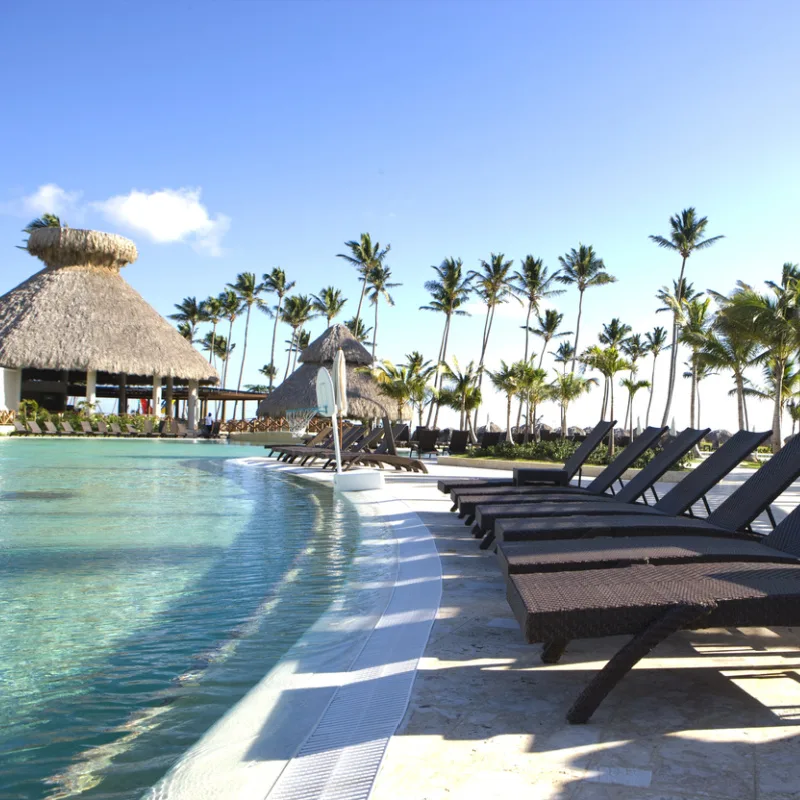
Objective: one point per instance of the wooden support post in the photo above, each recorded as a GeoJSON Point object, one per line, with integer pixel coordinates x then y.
{"type": "Point", "coordinates": [123, 394]}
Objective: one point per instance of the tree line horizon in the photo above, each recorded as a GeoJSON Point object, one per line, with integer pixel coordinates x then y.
{"type": "Point", "coordinates": [749, 328]}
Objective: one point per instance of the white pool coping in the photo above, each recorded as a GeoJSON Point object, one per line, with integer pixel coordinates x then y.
{"type": "Point", "coordinates": [316, 727]}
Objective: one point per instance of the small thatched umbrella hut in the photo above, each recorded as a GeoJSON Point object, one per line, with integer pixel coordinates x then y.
{"type": "Point", "coordinates": [364, 396]}
{"type": "Point", "coordinates": [78, 321]}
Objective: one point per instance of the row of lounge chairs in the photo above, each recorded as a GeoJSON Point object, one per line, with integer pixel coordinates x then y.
{"type": "Point", "coordinates": [359, 448]}
{"type": "Point", "coordinates": [170, 429]}
{"type": "Point", "coordinates": [583, 563]}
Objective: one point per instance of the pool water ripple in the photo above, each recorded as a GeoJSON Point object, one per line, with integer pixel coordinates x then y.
{"type": "Point", "coordinates": [147, 590]}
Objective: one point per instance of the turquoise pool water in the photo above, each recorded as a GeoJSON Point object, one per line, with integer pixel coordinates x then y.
{"type": "Point", "coordinates": [145, 586]}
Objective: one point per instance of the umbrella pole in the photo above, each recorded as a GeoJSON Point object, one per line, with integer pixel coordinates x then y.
{"type": "Point", "coordinates": [336, 446]}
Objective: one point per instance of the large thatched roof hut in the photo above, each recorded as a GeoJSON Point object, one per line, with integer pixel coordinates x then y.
{"type": "Point", "coordinates": [78, 320]}
{"type": "Point", "coordinates": [299, 390]}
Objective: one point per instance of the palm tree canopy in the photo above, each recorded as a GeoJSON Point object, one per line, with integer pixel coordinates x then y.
{"type": "Point", "coordinates": [248, 289]}
{"type": "Point", "coordinates": [656, 340]}
{"type": "Point", "coordinates": [568, 386]}
{"type": "Point", "coordinates": [493, 283]}
{"type": "Point", "coordinates": [686, 234]}
{"type": "Point", "coordinates": [297, 310]}
{"type": "Point", "coordinates": [614, 333]}
{"type": "Point", "coordinates": [583, 268]}
{"type": "Point", "coordinates": [564, 353]}
{"type": "Point", "coordinates": [505, 379]}
{"type": "Point", "coordinates": [549, 325]}
{"type": "Point", "coordinates": [606, 360]}
{"type": "Point", "coordinates": [379, 281]}
{"type": "Point", "coordinates": [534, 282]}
{"type": "Point", "coordinates": [189, 311]}
{"type": "Point", "coordinates": [232, 305]}
{"type": "Point", "coordinates": [212, 310]}
{"type": "Point", "coordinates": [329, 302]}
{"type": "Point", "coordinates": [634, 347]}
{"type": "Point", "coordinates": [682, 292]}
{"type": "Point", "coordinates": [219, 348]}
{"type": "Point", "coordinates": [360, 331]}
{"type": "Point", "coordinates": [364, 254]}
{"type": "Point", "coordinates": [450, 290]}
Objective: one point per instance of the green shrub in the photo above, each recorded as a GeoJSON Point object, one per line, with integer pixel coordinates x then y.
{"type": "Point", "coordinates": [559, 451]}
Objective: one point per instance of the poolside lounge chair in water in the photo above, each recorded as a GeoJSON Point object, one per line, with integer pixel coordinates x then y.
{"type": "Point", "coordinates": [559, 476]}
{"type": "Point", "coordinates": [34, 428]}
{"type": "Point", "coordinates": [732, 518]}
{"type": "Point", "coordinates": [51, 429]}
{"type": "Point", "coordinates": [67, 429]}
{"type": "Point", "coordinates": [465, 499]}
{"type": "Point", "coordinates": [350, 438]}
{"type": "Point", "coordinates": [322, 439]}
{"type": "Point", "coordinates": [630, 499]}
{"type": "Point", "coordinates": [20, 429]}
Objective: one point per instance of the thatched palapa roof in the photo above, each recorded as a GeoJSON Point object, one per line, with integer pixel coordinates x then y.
{"type": "Point", "coordinates": [299, 390]}
{"type": "Point", "coordinates": [78, 313]}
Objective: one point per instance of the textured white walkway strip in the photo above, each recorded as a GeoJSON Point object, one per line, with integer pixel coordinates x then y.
{"type": "Point", "coordinates": [341, 757]}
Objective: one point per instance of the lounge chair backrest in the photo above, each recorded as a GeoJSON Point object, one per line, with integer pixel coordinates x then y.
{"type": "Point", "coordinates": [759, 490]}
{"type": "Point", "coordinates": [34, 426]}
{"type": "Point", "coordinates": [616, 469]}
{"type": "Point", "coordinates": [50, 427]}
{"type": "Point", "coordinates": [19, 427]}
{"type": "Point", "coordinates": [660, 463]}
{"type": "Point", "coordinates": [427, 441]}
{"type": "Point", "coordinates": [101, 426]}
{"type": "Point", "coordinates": [368, 441]}
{"type": "Point", "coordinates": [350, 436]}
{"type": "Point", "coordinates": [706, 475]}
{"type": "Point", "coordinates": [115, 429]}
{"type": "Point", "coordinates": [490, 438]}
{"type": "Point", "coordinates": [66, 427]}
{"type": "Point", "coordinates": [458, 441]}
{"type": "Point", "coordinates": [587, 447]}
{"type": "Point", "coordinates": [321, 436]}
{"type": "Point", "coordinates": [181, 429]}
{"type": "Point", "coordinates": [148, 427]}
{"type": "Point", "coordinates": [86, 426]}
{"type": "Point", "coordinates": [131, 430]}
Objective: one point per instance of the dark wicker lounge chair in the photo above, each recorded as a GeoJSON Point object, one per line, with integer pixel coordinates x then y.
{"type": "Point", "coordinates": [51, 429]}
{"type": "Point", "coordinates": [649, 603]}
{"type": "Point", "coordinates": [627, 499]}
{"type": "Point", "coordinates": [733, 517]}
{"type": "Point", "coordinates": [425, 443]}
{"type": "Point", "coordinates": [34, 428]}
{"type": "Point", "coordinates": [604, 482]}
{"type": "Point", "coordinates": [458, 443]}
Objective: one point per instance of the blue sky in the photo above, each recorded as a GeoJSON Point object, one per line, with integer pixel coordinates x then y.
{"type": "Point", "coordinates": [280, 130]}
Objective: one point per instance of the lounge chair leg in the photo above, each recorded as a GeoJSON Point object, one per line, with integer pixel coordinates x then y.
{"type": "Point", "coordinates": [470, 519]}
{"type": "Point", "coordinates": [477, 531]}
{"type": "Point", "coordinates": [553, 650]}
{"type": "Point", "coordinates": [487, 541]}
{"type": "Point", "coordinates": [637, 648]}
{"type": "Point", "coordinates": [454, 507]}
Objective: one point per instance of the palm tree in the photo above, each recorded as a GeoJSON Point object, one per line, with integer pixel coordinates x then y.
{"type": "Point", "coordinates": [633, 348]}
{"type": "Point", "coordinates": [565, 352]}
{"type": "Point", "coordinates": [219, 346]}
{"type": "Point", "coordinates": [614, 333]}
{"type": "Point", "coordinates": [608, 362]}
{"type": "Point", "coordinates": [190, 312]}
{"type": "Point", "coordinates": [633, 386]}
{"type": "Point", "coordinates": [297, 312]}
{"type": "Point", "coordinates": [534, 390]}
{"type": "Point", "coordinates": [548, 329]}
{"type": "Point", "coordinates": [328, 303]}
{"type": "Point", "coordinates": [364, 256]}
{"type": "Point", "coordinates": [656, 342]}
{"type": "Point", "coordinates": [448, 293]}
{"type": "Point", "coordinates": [358, 329]}
{"type": "Point", "coordinates": [275, 282]}
{"type": "Point", "coordinates": [45, 221]}
{"type": "Point", "coordinates": [694, 329]}
{"type": "Point", "coordinates": [268, 371]}
{"type": "Point", "coordinates": [726, 348]}
{"type": "Point", "coordinates": [697, 371]}
{"type": "Point", "coordinates": [212, 311]}
{"type": "Point", "coordinates": [232, 307]}
{"type": "Point", "coordinates": [566, 388]}
{"type": "Point", "coordinates": [248, 290]}
{"type": "Point", "coordinates": [506, 380]}
{"type": "Point", "coordinates": [583, 268]}
{"type": "Point", "coordinates": [462, 394]}
{"type": "Point", "coordinates": [405, 384]}
{"type": "Point", "coordinates": [771, 319]}
{"type": "Point", "coordinates": [185, 330]}
{"type": "Point", "coordinates": [379, 282]}
{"type": "Point", "coordinates": [685, 237]}
{"type": "Point", "coordinates": [493, 285]}
{"type": "Point", "coordinates": [533, 282]}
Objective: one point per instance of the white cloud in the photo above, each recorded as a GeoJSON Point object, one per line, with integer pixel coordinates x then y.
{"type": "Point", "coordinates": [49, 199]}
{"type": "Point", "coordinates": [168, 215]}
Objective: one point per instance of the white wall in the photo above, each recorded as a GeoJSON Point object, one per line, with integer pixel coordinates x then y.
{"type": "Point", "coordinates": [10, 389]}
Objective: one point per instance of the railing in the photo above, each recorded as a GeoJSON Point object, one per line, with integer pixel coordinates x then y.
{"type": "Point", "coordinates": [7, 417]}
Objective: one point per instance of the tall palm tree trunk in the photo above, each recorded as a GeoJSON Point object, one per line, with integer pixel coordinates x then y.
{"type": "Point", "coordinates": [527, 337]}
{"type": "Point", "coordinates": [360, 301]}
{"type": "Point", "coordinates": [211, 358]}
{"type": "Point", "coordinates": [693, 398]}
{"type": "Point", "coordinates": [652, 389]}
{"type": "Point", "coordinates": [487, 331]}
{"type": "Point", "coordinates": [227, 354]}
{"type": "Point", "coordinates": [289, 359]}
{"type": "Point", "coordinates": [437, 380]}
{"type": "Point", "coordinates": [509, 437]}
{"type": "Point", "coordinates": [740, 400]}
{"type": "Point", "coordinates": [375, 330]}
{"type": "Point", "coordinates": [244, 356]}
{"type": "Point", "coordinates": [577, 329]}
{"type": "Point", "coordinates": [611, 440]}
{"type": "Point", "coordinates": [274, 337]}
{"type": "Point", "coordinates": [673, 361]}
{"type": "Point", "coordinates": [544, 347]}
{"type": "Point", "coordinates": [777, 410]}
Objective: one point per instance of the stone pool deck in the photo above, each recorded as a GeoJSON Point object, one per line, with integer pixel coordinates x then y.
{"type": "Point", "coordinates": [712, 714]}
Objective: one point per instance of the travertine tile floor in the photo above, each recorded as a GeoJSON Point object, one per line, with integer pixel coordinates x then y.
{"type": "Point", "coordinates": [711, 714]}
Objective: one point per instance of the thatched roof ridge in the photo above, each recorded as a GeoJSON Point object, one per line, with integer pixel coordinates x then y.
{"type": "Point", "coordinates": [66, 247]}
{"type": "Point", "coordinates": [299, 390]}
{"type": "Point", "coordinates": [323, 349]}
{"type": "Point", "coordinates": [79, 314]}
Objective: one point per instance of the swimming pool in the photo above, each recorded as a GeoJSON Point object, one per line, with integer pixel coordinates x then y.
{"type": "Point", "coordinates": [146, 586]}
